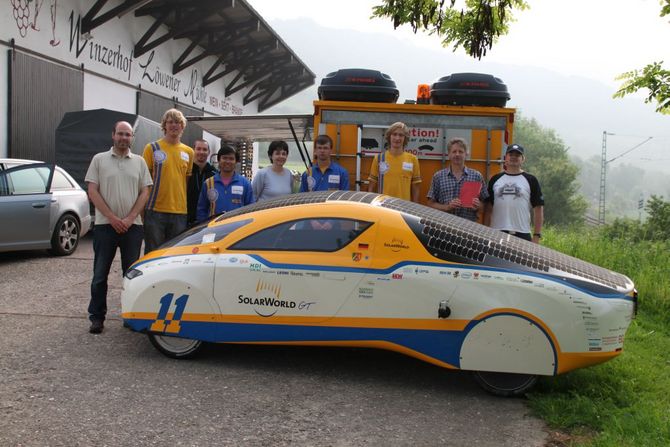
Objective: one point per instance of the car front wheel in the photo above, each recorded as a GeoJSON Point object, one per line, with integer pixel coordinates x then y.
{"type": "Point", "coordinates": [505, 384]}
{"type": "Point", "coordinates": [65, 237]}
{"type": "Point", "coordinates": [175, 347]}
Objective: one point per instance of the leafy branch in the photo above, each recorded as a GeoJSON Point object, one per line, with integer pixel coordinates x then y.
{"type": "Point", "coordinates": [653, 78]}
{"type": "Point", "coordinates": [475, 27]}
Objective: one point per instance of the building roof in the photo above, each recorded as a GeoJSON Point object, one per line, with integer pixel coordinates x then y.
{"type": "Point", "coordinates": [230, 31]}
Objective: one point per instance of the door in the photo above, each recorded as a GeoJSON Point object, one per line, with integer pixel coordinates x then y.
{"type": "Point", "coordinates": [303, 270]}
{"type": "Point", "coordinates": [25, 206]}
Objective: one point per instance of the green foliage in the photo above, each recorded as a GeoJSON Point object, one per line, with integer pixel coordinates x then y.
{"type": "Point", "coordinates": [656, 228]}
{"type": "Point", "coordinates": [547, 159]}
{"type": "Point", "coordinates": [476, 27]}
{"type": "Point", "coordinates": [626, 401]}
{"type": "Point", "coordinates": [658, 223]}
{"type": "Point", "coordinates": [625, 229]}
{"type": "Point", "coordinates": [653, 78]}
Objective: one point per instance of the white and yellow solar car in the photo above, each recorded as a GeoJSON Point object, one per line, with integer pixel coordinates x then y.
{"type": "Point", "coordinates": [360, 269]}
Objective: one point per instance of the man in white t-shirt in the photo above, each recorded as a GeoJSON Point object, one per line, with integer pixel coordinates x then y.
{"type": "Point", "coordinates": [513, 196]}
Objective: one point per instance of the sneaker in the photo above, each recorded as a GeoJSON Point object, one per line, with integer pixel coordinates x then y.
{"type": "Point", "coordinates": [96, 327]}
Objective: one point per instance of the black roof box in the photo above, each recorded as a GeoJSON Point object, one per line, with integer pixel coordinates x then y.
{"type": "Point", "coordinates": [358, 84]}
{"type": "Point", "coordinates": [469, 89]}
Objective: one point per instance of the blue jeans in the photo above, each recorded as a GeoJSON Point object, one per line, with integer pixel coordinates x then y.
{"type": "Point", "coordinates": [105, 242]}
{"type": "Point", "coordinates": [161, 227]}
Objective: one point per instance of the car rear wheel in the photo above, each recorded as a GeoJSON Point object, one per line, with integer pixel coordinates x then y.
{"type": "Point", "coordinates": [65, 237]}
{"type": "Point", "coordinates": [505, 384]}
{"type": "Point", "coordinates": [175, 347]}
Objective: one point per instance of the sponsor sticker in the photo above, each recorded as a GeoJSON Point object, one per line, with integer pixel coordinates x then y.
{"type": "Point", "coordinates": [396, 245]}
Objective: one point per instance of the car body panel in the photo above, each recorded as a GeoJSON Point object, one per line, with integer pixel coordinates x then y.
{"type": "Point", "coordinates": [384, 288]}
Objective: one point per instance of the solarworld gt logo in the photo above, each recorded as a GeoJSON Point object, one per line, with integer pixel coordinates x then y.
{"type": "Point", "coordinates": [267, 301]}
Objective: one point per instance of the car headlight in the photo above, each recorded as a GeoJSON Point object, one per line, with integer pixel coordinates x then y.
{"type": "Point", "coordinates": [133, 273]}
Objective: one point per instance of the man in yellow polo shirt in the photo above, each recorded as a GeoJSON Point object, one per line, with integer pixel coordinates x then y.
{"type": "Point", "coordinates": [395, 172]}
{"type": "Point", "coordinates": [170, 163]}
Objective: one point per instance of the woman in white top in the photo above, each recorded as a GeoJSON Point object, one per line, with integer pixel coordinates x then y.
{"type": "Point", "coordinates": [274, 180]}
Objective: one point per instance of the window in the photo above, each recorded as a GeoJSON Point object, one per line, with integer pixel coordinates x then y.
{"type": "Point", "coordinates": [60, 181]}
{"type": "Point", "coordinates": [305, 235]}
{"type": "Point", "coordinates": [202, 234]}
{"type": "Point", "coordinates": [25, 181]}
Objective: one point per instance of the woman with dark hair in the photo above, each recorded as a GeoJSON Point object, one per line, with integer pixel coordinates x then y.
{"type": "Point", "coordinates": [274, 180]}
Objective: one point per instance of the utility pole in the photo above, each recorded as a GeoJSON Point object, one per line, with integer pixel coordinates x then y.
{"type": "Point", "coordinates": [603, 180]}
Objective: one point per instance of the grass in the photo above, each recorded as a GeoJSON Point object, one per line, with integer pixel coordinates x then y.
{"type": "Point", "coordinates": [624, 402]}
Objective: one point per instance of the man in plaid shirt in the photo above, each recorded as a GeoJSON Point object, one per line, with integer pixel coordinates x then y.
{"type": "Point", "coordinates": [445, 188]}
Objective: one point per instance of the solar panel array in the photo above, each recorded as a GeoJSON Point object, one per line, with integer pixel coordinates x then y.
{"type": "Point", "coordinates": [448, 237]}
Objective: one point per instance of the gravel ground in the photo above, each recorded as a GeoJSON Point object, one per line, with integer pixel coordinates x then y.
{"type": "Point", "coordinates": [60, 385]}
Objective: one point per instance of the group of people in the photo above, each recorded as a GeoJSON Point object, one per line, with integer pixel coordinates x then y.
{"type": "Point", "coordinates": [171, 187]}
{"type": "Point", "coordinates": [507, 201]}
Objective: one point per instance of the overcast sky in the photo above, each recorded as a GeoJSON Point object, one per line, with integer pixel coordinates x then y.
{"type": "Point", "coordinates": [595, 38]}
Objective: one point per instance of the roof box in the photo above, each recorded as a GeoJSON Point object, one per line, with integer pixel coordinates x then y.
{"type": "Point", "coordinates": [358, 84]}
{"type": "Point", "coordinates": [469, 89]}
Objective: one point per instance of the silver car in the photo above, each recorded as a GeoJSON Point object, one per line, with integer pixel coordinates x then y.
{"type": "Point", "coordinates": [42, 207]}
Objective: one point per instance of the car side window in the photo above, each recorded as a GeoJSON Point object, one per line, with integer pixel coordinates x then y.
{"type": "Point", "coordinates": [61, 182]}
{"type": "Point", "coordinates": [25, 181]}
{"type": "Point", "coordinates": [326, 234]}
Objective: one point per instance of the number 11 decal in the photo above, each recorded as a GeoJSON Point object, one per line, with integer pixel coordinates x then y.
{"type": "Point", "coordinates": [162, 323]}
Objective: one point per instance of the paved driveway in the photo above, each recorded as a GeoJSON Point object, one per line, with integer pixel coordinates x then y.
{"type": "Point", "coordinates": [60, 385]}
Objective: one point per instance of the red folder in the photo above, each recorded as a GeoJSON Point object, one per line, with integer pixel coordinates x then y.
{"type": "Point", "coordinates": [469, 190]}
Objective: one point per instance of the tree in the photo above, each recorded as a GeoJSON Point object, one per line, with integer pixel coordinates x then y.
{"type": "Point", "coordinates": [658, 223]}
{"type": "Point", "coordinates": [476, 27]}
{"type": "Point", "coordinates": [652, 77]}
{"type": "Point", "coordinates": [547, 159]}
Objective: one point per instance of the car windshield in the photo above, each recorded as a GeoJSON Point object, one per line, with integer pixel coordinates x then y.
{"type": "Point", "coordinates": [202, 234]}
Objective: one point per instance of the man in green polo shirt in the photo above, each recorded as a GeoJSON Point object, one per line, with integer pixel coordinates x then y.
{"type": "Point", "coordinates": [118, 185]}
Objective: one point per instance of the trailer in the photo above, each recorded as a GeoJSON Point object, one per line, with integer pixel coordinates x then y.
{"type": "Point", "coordinates": [357, 125]}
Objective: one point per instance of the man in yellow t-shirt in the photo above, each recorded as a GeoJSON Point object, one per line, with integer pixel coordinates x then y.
{"type": "Point", "coordinates": [170, 163]}
{"type": "Point", "coordinates": [395, 172]}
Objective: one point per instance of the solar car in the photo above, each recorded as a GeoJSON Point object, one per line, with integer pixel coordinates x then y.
{"type": "Point", "coordinates": [341, 268]}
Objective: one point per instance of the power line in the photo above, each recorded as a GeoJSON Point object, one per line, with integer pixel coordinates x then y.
{"type": "Point", "coordinates": [629, 150]}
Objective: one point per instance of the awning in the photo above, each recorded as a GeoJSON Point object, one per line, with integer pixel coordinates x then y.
{"type": "Point", "coordinates": [257, 127]}
{"type": "Point", "coordinates": [229, 31]}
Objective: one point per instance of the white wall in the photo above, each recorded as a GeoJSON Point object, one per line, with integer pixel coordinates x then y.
{"type": "Point", "coordinates": [108, 50]}
{"type": "Point", "coordinates": [100, 93]}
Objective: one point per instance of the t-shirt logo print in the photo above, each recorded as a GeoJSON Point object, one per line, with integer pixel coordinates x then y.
{"type": "Point", "coordinates": [509, 189]}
